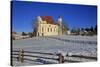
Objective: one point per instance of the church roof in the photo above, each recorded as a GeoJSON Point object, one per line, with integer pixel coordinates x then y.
{"type": "Point", "coordinates": [48, 19]}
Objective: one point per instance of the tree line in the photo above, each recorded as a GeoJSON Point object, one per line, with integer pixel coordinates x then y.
{"type": "Point", "coordinates": [85, 31]}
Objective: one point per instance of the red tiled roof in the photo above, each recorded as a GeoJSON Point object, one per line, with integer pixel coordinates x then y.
{"type": "Point", "coordinates": [49, 19]}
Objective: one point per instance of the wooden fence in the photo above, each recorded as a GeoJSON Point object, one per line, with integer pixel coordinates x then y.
{"type": "Point", "coordinates": [21, 54]}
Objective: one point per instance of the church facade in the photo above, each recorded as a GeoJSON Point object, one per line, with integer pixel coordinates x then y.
{"type": "Point", "coordinates": [45, 26]}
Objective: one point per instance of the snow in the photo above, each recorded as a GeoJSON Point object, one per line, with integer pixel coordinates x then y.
{"type": "Point", "coordinates": [55, 44]}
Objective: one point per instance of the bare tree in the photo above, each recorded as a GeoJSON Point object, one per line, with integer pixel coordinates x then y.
{"type": "Point", "coordinates": [65, 27]}
{"type": "Point", "coordinates": [34, 26]}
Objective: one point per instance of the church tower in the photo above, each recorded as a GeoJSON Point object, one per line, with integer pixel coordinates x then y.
{"type": "Point", "coordinates": [39, 21]}
{"type": "Point", "coordinates": [59, 25]}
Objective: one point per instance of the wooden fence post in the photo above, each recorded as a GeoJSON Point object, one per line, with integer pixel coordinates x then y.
{"type": "Point", "coordinates": [21, 55]}
{"type": "Point", "coordinates": [61, 58]}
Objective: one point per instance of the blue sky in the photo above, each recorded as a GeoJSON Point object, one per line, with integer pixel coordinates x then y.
{"type": "Point", "coordinates": [23, 14]}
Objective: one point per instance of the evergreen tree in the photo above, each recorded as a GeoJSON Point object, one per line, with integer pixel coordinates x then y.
{"type": "Point", "coordinates": [92, 29]}
{"type": "Point", "coordinates": [24, 34]}
{"type": "Point", "coordinates": [95, 29]}
{"type": "Point", "coordinates": [30, 34]}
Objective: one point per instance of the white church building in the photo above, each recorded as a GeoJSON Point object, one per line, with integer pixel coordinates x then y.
{"type": "Point", "coordinates": [45, 26]}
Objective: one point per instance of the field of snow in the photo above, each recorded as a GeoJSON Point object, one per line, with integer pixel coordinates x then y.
{"type": "Point", "coordinates": [73, 45]}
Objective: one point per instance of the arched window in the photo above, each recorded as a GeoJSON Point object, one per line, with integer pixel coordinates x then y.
{"type": "Point", "coordinates": [51, 29]}
{"type": "Point", "coordinates": [42, 29]}
{"type": "Point", "coordinates": [56, 30]}
{"type": "Point", "coordinates": [48, 29]}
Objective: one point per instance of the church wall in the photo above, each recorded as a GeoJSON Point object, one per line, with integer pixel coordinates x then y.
{"type": "Point", "coordinates": [47, 29]}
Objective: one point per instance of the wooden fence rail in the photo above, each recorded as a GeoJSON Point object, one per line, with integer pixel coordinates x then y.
{"type": "Point", "coordinates": [39, 53]}
{"type": "Point", "coordinates": [21, 56]}
{"type": "Point", "coordinates": [81, 56]}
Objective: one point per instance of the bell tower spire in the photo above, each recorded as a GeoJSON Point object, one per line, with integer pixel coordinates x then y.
{"type": "Point", "coordinates": [60, 20]}
{"type": "Point", "coordinates": [60, 25]}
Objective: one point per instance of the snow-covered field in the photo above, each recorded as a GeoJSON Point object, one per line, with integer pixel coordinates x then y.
{"type": "Point", "coordinates": [73, 45]}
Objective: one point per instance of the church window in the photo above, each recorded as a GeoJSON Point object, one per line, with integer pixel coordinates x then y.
{"type": "Point", "coordinates": [56, 30]}
{"type": "Point", "coordinates": [48, 29]}
{"type": "Point", "coordinates": [42, 29]}
{"type": "Point", "coordinates": [51, 29]}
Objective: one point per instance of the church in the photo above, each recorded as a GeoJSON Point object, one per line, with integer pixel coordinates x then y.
{"type": "Point", "coordinates": [45, 26]}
